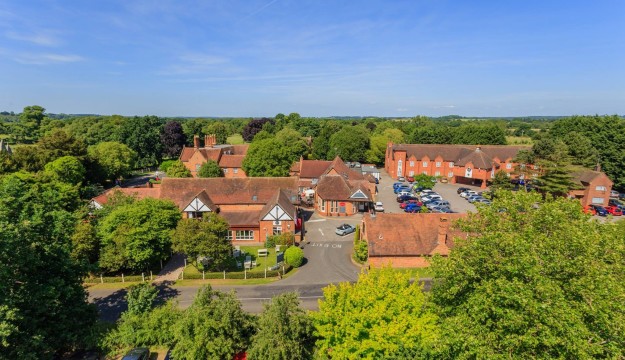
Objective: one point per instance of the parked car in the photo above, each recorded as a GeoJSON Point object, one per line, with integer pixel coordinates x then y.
{"type": "Point", "coordinates": [416, 188]}
{"type": "Point", "coordinates": [402, 188]}
{"type": "Point", "coordinates": [379, 207]}
{"type": "Point", "coordinates": [426, 192]}
{"type": "Point", "coordinates": [397, 184]}
{"type": "Point", "coordinates": [588, 209]}
{"type": "Point", "coordinates": [600, 210]}
{"type": "Point", "coordinates": [344, 229]}
{"type": "Point", "coordinates": [406, 197]}
{"type": "Point", "coordinates": [618, 204]}
{"type": "Point", "coordinates": [412, 208]}
{"type": "Point", "coordinates": [405, 203]}
{"type": "Point", "coordinates": [614, 210]}
{"type": "Point", "coordinates": [137, 354]}
{"type": "Point", "coordinates": [621, 196]}
{"type": "Point", "coordinates": [401, 178]}
{"type": "Point", "coordinates": [474, 198]}
{"type": "Point", "coordinates": [429, 198]}
{"type": "Point", "coordinates": [410, 179]}
{"type": "Point", "coordinates": [462, 189]}
{"type": "Point", "coordinates": [441, 209]}
{"type": "Point", "coordinates": [437, 203]}
{"type": "Point", "coordinates": [614, 194]}
{"type": "Point", "coordinates": [484, 201]}
{"type": "Point", "coordinates": [403, 192]}
{"type": "Point", "coordinates": [466, 194]}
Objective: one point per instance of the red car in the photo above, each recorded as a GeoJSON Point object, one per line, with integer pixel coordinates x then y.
{"type": "Point", "coordinates": [590, 210]}
{"type": "Point", "coordinates": [410, 179]}
{"type": "Point", "coordinates": [405, 203]}
{"type": "Point", "coordinates": [614, 210]}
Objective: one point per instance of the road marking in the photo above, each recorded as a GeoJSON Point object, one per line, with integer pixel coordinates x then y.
{"type": "Point", "coordinates": [333, 246]}
{"type": "Point", "coordinates": [321, 231]}
{"type": "Point", "coordinates": [316, 220]}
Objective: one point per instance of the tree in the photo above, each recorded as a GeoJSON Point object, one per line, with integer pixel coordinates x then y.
{"type": "Point", "coordinates": [140, 298]}
{"type": "Point", "coordinates": [374, 318]}
{"type": "Point", "coordinates": [581, 150]}
{"type": "Point", "coordinates": [85, 244]}
{"type": "Point", "coordinates": [58, 144]}
{"type": "Point", "coordinates": [178, 170]}
{"type": "Point", "coordinates": [274, 156]}
{"type": "Point", "coordinates": [285, 331]}
{"type": "Point", "coordinates": [143, 135]}
{"type": "Point", "coordinates": [137, 235]}
{"type": "Point", "coordinates": [43, 305]}
{"type": "Point", "coordinates": [66, 169]}
{"type": "Point", "coordinates": [113, 160]}
{"type": "Point", "coordinates": [210, 169]}
{"type": "Point", "coordinates": [425, 181]}
{"type": "Point", "coordinates": [220, 130]}
{"type": "Point", "coordinates": [29, 121]}
{"type": "Point", "coordinates": [205, 237]}
{"type": "Point", "coordinates": [294, 256]}
{"type": "Point", "coordinates": [253, 127]}
{"type": "Point", "coordinates": [173, 139]}
{"type": "Point", "coordinates": [532, 282]}
{"type": "Point", "coordinates": [378, 143]}
{"type": "Point", "coordinates": [350, 143]}
{"type": "Point", "coordinates": [553, 159]}
{"type": "Point", "coordinates": [214, 327]}
{"type": "Point", "coordinates": [501, 181]}
{"type": "Point", "coordinates": [321, 143]}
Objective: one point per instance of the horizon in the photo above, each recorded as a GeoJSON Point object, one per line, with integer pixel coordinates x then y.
{"type": "Point", "coordinates": [260, 58]}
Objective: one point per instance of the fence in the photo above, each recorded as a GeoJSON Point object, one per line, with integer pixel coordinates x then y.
{"type": "Point", "coordinates": [238, 274]}
{"type": "Point", "coordinates": [119, 279]}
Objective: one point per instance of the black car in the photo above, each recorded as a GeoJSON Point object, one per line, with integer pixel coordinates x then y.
{"type": "Point", "coordinates": [403, 198]}
{"type": "Point", "coordinates": [601, 211]}
{"type": "Point", "coordinates": [137, 354]}
{"type": "Point", "coordinates": [461, 190]}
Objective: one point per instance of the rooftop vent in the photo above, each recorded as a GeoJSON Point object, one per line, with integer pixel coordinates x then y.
{"type": "Point", "coordinates": [254, 198]}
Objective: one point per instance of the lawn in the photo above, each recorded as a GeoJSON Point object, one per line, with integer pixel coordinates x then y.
{"type": "Point", "coordinates": [519, 140]}
{"type": "Point", "coordinates": [235, 139]}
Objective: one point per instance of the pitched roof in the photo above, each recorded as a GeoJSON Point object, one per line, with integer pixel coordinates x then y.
{"type": "Point", "coordinates": [410, 234]}
{"type": "Point", "coordinates": [478, 158]}
{"type": "Point", "coordinates": [205, 199]}
{"type": "Point", "coordinates": [281, 199]}
{"type": "Point", "coordinates": [341, 168]}
{"type": "Point", "coordinates": [226, 190]}
{"type": "Point", "coordinates": [138, 193]}
{"type": "Point", "coordinates": [585, 176]}
{"type": "Point", "coordinates": [455, 153]}
{"type": "Point", "coordinates": [207, 153]}
{"type": "Point", "coordinates": [241, 218]}
{"type": "Point", "coordinates": [231, 161]}
{"type": "Point", "coordinates": [313, 168]}
{"type": "Point", "coordinates": [337, 187]}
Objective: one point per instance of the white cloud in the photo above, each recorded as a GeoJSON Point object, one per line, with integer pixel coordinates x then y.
{"type": "Point", "coordinates": [44, 38]}
{"type": "Point", "coordinates": [44, 59]}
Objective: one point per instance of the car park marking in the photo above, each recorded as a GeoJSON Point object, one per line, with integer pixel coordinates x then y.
{"type": "Point", "coordinates": [333, 246]}
{"type": "Point", "coordinates": [321, 231]}
{"type": "Point", "coordinates": [316, 220]}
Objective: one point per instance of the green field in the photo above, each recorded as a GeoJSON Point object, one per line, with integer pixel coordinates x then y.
{"type": "Point", "coordinates": [235, 139]}
{"type": "Point", "coordinates": [519, 140]}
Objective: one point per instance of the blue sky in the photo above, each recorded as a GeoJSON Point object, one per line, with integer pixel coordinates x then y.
{"type": "Point", "coordinates": [317, 58]}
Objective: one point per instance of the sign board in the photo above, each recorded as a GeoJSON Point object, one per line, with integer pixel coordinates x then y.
{"type": "Point", "coordinates": [341, 204]}
{"type": "Point", "coordinates": [280, 256]}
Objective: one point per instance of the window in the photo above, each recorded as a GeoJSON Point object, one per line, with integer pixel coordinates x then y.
{"type": "Point", "coordinates": [334, 206]}
{"type": "Point", "coordinates": [438, 173]}
{"type": "Point", "coordinates": [450, 174]}
{"type": "Point", "coordinates": [508, 166]}
{"type": "Point", "coordinates": [424, 172]}
{"type": "Point", "coordinates": [411, 173]}
{"type": "Point", "coordinates": [451, 164]}
{"type": "Point", "coordinates": [425, 164]}
{"type": "Point", "coordinates": [225, 170]}
{"type": "Point", "coordinates": [245, 234]}
{"type": "Point", "coordinates": [412, 163]}
{"type": "Point", "coordinates": [600, 188]}
{"type": "Point", "coordinates": [597, 200]}
{"type": "Point", "coordinates": [197, 167]}
{"type": "Point", "coordinates": [277, 230]}
{"type": "Point", "coordinates": [235, 170]}
{"type": "Point", "coordinates": [438, 164]}
{"type": "Point", "coordinates": [228, 235]}
{"type": "Point", "coordinates": [322, 205]}
{"type": "Point", "coordinates": [399, 167]}
{"type": "Point", "coordinates": [194, 214]}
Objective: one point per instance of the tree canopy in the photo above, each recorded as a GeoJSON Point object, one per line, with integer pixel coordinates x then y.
{"type": "Point", "coordinates": [113, 160]}
{"type": "Point", "coordinates": [177, 170]}
{"type": "Point", "coordinates": [143, 135]}
{"type": "Point", "coordinates": [210, 169]}
{"type": "Point", "coordinates": [173, 139]}
{"type": "Point", "coordinates": [205, 237]}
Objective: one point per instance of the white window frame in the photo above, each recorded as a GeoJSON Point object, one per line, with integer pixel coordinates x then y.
{"type": "Point", "coordinates": [322, 205]}
{"type": "Point", "coordinates": [424, 172]}
{"type": "Point", "coordinates": [424, 164]}
{"type": "Point", "coordinates": [451, 164]}
{"type": "Point", "coordinates": [277, 230]}
{"type": "Point", "coordinates": [508, 166]}
{"type": "Point", "coordinates": [438, 173]}
{"type": "Point", "coordinates": [235, 170]}
{"type": "Point", "coordinates": [597, 200]}
{"type": "Point", "coordinates": [334, 206]}
{"type": "Point", "coordinates": [399, 167]}
{"type": "Point", "coordinates": [600, 188]}
{"type": "Point", "coordinates": [225, 170]}
{"type": "Point", "coordinates": [438, 164]}
{"type": "Point", "coordinates": [411, 173]}
{"type": "Point", "coordinates": [450, 174]}
{"type": "Point", "coordinates": [228, 235]}
{"type": "Point", "coordinates": [245, 235]}
{"type": "Point", "coordinates": [411, 163]}
{"type": "Point", "coordinates": [197, 167]}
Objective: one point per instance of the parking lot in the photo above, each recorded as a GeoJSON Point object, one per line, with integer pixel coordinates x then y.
{"type": "Point", "coordinates": [447, 191]}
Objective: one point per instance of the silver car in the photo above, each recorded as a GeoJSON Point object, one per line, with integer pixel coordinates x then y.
{"type": "Point", "coordinates": [344, 229]}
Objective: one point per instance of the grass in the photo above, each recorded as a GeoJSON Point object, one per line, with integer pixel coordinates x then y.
{"type": "Point", "coordinates": [519, 140]}
{"type": "Point", "coordinates": [111, 286]}
{"type": "Point", "coordinates": [235, 139]}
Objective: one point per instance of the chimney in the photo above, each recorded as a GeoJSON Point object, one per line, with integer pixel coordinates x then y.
{"type": "Point", "coordinates": [196, 141]}
{"type": "Point", "coordinates": [210, 140]}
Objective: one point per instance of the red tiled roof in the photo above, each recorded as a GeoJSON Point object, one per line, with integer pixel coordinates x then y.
{"type": "Point", "coordinates": [241, 218]}
{"type": "Point", "coordinates": [186, 153]}
{"type": "Point", "coordinates": [281, 199]}
{"type": "Point", "coordinates": [138, 193]}
{"type": "Point", "coordinates": [585, 176]}
{"type": "Point", "coordinates": [457, 152]}
{"type": "Point", "coordinates": [337, 187]}
{"type": "Point", "coordinates": [478, 158]}
{"type": "Point", "coordinates": [410, 234]}
{"type": "Point", "coordinates": [226, 190]}
{"type": "Point", "coordinates": [341, 168]}
{"type": "Point", "coordinates": [312, 169]}
{"type": "Point", "coordinates": [239, 149]}
{"type": "Point", "coordinates": [231, 161]}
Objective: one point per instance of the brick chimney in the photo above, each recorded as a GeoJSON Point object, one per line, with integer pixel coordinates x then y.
{"type": "Point", "coordinates": [196, 141]}
{"type": "Point", "coordinates": [210, 140]}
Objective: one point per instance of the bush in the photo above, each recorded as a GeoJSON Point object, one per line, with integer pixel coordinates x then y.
{"type": "Point", "coordinates": [270, 242]}
{"type": "Point", "coordinates": [166, 164]}
{"type": "Point", "coordinates": [357, 235]}
{"type": "Point", "coordinates": [361, 252]}
{"type": "Point", "coordinates": [286, 238]}
{"type": "Point", "coordinates": [294, 256]}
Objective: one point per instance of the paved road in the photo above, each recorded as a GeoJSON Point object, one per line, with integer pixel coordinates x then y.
{"type": "Point", "coordinates": [327, 261]}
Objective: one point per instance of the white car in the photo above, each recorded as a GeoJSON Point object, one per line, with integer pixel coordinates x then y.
{"type": "Point", "coordinates": [427, 192]}
{"type": "Point", "coordinates": [431, 197]}
{"type": "Point", "coordinates": [401, 193]}
{"type": "Point", "coordinates": [468, 193]}
{"type": "Point", "coordinates": [379, 207]}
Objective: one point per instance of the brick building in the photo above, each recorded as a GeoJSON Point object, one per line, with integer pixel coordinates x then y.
{"type": "Point", "coordinates": [594, 187]}
{"type": "Point", "coordinates": [408, 240]}
{"type": "Point", "coordinates": [229, 157]}
{"type": "Point", "coordinates": [467, 164]}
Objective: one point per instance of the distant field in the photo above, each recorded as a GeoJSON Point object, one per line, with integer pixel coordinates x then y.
{"type": "Point", "coordinates": [235, 139]}
{"type": "Point", "coordinates": [519, 140]}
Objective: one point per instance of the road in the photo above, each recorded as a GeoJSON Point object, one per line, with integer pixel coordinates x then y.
{"type": "Point", "coordinates": [327, 261]}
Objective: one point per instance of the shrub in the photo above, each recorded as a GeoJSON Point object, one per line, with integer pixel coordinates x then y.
{"type": "Point", "coordinates": [357, 235]}
{"type": "Point", "coordinates": [166, 164]}
{"type": "Point", "coordinates": [294, 256]}
{"type": "Point", "coordinates": [286, 238]}
{"type": "Point", "coordinates": [361, 252]}
{"type": "Point", "coordinates": [270, 242]}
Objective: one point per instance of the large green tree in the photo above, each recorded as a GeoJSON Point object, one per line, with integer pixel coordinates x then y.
{"type": "Point", "coordinates": [43, 305]}
{"type": "Point", "coordinates": [204, 237]}
{"type": "Point", "coordinates": [285, 331]}
{"type": "Point", "coordinates": [378, 143]}
{"type": "Point", "coordinates": [350, 143]}
{"type": "Point", "coordinates": [66, 169]}
{"type": "Point", "coordinates": [113, 160]}
{"type": "Point", "coordinates": [143, 135]}
{"type": "Point", "coordinates": [210, 169]}
{"type": "Point", "coordinates": [532, 282]}
{"type": "Point", "coordinates": [213, 327]}
{"type": "Point", "coordinates": [274, 156]}
{"type": "Point", "coordinates": [380, 316]}
{"type": "Point", "coordinates": [219, 129]}
{"type": "Point", "coordinates": [137, 235]}
{"type": "Point", "coordinates": [177, 170]}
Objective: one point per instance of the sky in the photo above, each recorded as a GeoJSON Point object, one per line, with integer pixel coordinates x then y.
{"type": "Point", "coordinates": [316, 58]}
